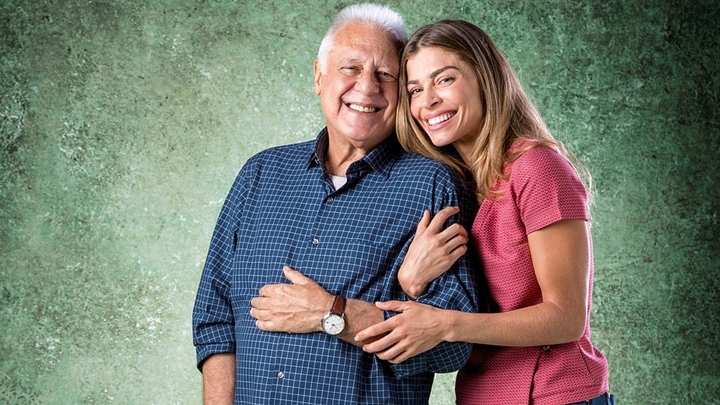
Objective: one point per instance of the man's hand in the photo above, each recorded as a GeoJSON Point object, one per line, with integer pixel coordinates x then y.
{"type": "Point", "coordinates": [295, 308]}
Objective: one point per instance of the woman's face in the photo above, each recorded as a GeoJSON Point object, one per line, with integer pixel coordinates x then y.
{"type": "Point", "coordinates": [445, 98]}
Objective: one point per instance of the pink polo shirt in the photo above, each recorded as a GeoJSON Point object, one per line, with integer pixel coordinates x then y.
{"type": "Point", "coordinates": [543, 188]}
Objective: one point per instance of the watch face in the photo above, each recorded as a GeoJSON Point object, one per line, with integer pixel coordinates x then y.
{"type": "Point", "coordinates": [333, 324]}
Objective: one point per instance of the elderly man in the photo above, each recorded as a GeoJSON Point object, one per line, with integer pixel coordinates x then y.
{"type": "Point", "coordinates": [312, 234]}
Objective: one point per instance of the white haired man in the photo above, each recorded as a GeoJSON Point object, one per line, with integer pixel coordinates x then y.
{"type": "Point", "coordinates": [312, 234]}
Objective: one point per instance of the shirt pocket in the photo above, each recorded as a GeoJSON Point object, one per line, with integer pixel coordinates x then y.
{"type": "Point", "coordinates": [369, 269]}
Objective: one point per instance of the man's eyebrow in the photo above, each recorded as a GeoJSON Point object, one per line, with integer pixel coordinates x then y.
{"type": "Point", "coordinates": [435, 73]}
{"type": "Point", "coordinates": [354, 60]}
{"type": "Point", "coordinates": [347, 61]}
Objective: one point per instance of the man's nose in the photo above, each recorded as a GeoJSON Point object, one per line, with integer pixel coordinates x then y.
{"type": "Point", "coordinates": [367, 82]}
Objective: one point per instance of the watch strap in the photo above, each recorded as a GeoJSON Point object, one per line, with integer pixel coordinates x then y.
{"type": "Point", "coordinates": [338, 307]}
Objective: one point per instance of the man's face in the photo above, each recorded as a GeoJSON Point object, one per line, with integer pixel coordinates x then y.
{"type": "Point", "coordinates": [358, 88]}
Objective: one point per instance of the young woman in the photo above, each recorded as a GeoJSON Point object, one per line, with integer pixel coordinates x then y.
{"type": "Point", "coordinates": [461, 103]}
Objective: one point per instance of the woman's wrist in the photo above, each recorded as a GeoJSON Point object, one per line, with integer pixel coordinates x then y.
{"type": "Point", "coordinates": [452, 324]}
{"type": "Point", "coordinates": [412, 286]}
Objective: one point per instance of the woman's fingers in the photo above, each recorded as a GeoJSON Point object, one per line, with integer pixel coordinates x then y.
{"type": "Point", "coordinates": [441, 217]}
{"type": "Point", "coordinates": [424, 222]}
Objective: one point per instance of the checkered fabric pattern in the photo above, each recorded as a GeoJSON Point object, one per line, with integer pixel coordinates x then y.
{"type": "Point", "coordinates": [283, 210]}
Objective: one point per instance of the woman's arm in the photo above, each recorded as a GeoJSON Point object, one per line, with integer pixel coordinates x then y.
{"type": "Point", "coordinates": [561, 258]}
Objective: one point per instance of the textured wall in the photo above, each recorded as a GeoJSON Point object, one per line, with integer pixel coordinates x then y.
{"type": "Point", "coordinates": [123, 124]}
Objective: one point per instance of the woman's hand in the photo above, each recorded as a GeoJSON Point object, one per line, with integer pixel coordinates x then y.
{"type": "Point", "coordinates": [417, 329]}
{"type": "Point", "coordinates": [432, 251]}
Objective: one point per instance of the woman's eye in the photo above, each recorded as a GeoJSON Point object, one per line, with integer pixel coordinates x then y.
{"type": "Point", "coordinates": [446, 80]}
{"type": "Point", "coordinates": [414, 91]}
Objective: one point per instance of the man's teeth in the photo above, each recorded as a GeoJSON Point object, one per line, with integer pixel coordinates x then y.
{"type": "Point", "coordinates": [440, 118]}
{"type": "Point", "coordinates": [362, 109]}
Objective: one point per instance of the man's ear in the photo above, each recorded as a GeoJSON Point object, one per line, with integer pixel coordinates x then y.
{"type": "Point", "coordinates": [318, 75]}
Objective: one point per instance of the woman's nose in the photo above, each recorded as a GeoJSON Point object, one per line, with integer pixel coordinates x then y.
{"type": "Point", "coordinates": [429, 98]}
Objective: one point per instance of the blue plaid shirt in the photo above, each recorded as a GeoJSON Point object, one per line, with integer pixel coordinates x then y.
{"type": "Point", "coordinates": [283, 210]}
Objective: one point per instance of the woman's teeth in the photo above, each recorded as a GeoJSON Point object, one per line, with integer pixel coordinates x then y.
{"type": "Point", "coordinates": [440, 118]}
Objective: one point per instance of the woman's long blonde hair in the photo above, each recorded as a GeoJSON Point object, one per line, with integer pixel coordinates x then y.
{"type": "Point", "coordinates": [509, 114]}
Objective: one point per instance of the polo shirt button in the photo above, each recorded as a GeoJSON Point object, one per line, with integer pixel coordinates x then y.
{"type": "Point", "coordinates": [315, 241]}
{"type": "Point", "coordinates": [281, 375]}
{"type": "Point", "coordinates": [545, 348]}
{"type": "Point", "coordinates": [330, 199]}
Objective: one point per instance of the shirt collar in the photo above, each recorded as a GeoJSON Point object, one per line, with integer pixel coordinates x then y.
{"type": "Point", "coordinates": [380, 159]}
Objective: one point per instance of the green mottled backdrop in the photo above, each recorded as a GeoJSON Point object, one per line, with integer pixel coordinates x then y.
{"type": "Point", "coordinates": [123, 124]}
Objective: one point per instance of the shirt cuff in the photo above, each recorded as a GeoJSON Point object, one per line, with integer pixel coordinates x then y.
{"type": "Point", "coordinates": [202, 352]}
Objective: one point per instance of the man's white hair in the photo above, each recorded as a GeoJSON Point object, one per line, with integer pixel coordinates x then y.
{"type": "Point", "coordinates": [380, 16]}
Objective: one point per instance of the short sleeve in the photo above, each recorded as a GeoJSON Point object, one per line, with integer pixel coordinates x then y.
{"type": "Point", "coordinates": [547, 189]}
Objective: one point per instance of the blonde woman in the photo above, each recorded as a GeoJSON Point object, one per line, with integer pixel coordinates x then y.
{"type": "Point", "coordinates": [461, 103]}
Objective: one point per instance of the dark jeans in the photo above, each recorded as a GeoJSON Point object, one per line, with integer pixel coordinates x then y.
{"type": "Point", "coordinates": [604, 399]}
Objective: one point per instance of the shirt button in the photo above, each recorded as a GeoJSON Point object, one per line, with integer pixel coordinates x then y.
{"type": "Point", "coordinates": [330, 199]}
{"type": "Point", "coordinates": [281, 375]}
{"type": "Point", "coordinates": [315, 241]}
{"type": "Point", "coordinates": [545, 348]}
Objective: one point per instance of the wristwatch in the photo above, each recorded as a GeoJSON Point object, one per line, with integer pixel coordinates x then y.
{"type": "Point", "coordinates": [334, 321]}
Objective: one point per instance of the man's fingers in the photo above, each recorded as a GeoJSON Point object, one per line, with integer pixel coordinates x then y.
{"type": "Point", "coordinates": [295, 276]}
{"type": "Point", "coordinates": [260, 314]}
{"type": "Point", "coordinates": [270, 290]}
{"type": "Point", "coordinates": [260, 303]}
{"type": "Point", "coordinates": [265, 325]}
